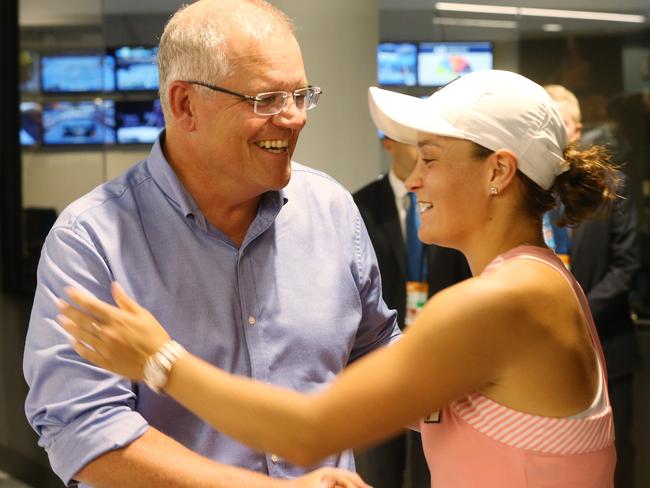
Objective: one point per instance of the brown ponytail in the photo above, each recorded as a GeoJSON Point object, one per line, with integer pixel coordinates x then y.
{"type": "Point", "coordinates": [587, 188]}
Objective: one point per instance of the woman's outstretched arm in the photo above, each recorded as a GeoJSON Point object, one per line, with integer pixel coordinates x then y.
{"type": "Point", "coordinates": [443, 355]}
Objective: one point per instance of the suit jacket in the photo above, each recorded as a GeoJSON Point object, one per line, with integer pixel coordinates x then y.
{"type": "Point", "coordinates": [376, 203]}
{"type": "Point", "coordinates": [604, 259]}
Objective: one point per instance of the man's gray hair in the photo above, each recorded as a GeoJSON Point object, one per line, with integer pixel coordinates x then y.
{"type": "Point", "coordinates": [194, 43]}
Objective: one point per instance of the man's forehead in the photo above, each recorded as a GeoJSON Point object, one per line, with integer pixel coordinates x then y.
{"type": "Point", "coordinates": [242, 43]}
{"type": "Point", "coordinates": [272, 67]}
{"type": "Point", "coordinates": [266, 58]}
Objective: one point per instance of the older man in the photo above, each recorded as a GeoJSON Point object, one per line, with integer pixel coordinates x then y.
{"type": "Point", "coordinates": [257, 264]}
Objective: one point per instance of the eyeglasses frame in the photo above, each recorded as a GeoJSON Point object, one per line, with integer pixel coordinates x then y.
{"type": "Point", "coordinates": [254, 99]}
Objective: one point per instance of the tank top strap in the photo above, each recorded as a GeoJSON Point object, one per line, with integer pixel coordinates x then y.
{"type": "Point", "coordinates": [548, 257]}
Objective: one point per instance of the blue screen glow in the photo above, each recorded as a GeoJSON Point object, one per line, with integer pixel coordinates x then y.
{"type": "Point", "coordinates": [77, 73]}
{"type": "Point", "coordinates": [441, 62]}
{"type": "Point", "coordinates": [138, 122]}
{"type": "Point", "coordinates": [136, 68]}
{"type": "Point", "coordinates": [85, 122]}
{"type": "Point", "coordinates": [397, 63]}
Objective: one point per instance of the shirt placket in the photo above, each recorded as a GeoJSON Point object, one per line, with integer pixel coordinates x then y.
{"type": "Point", "coordinates": [253, 325]}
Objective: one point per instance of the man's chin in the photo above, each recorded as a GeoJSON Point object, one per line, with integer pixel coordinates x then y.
{"type": "Point", "coordinates": [280, 180]}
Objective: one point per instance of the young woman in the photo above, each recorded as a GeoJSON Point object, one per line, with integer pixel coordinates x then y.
{"type": "Point", "coordinates": [504, 370]}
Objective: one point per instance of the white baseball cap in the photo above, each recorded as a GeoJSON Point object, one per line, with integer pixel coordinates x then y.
{"type": "Point", "coordinates": [495, 109]}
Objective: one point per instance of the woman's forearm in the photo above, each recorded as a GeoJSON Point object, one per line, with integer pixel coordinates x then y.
{"type": "Point", "coordinates": [266, 417]}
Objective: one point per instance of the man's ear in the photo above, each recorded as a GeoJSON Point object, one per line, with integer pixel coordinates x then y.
{"type": "Point", "coordinates": [578, 133]}
{"type": "Point", "coordinates": [181, 105]}
{"type": "Point", "coordinates": [388, 145]}
{"type": "Point", "coordinates": [503, 169]}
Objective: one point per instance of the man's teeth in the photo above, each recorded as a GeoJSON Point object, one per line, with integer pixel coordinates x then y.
{"type": "Point", "coordinates": [424, 206]}
{"type": "Point", "coordinates": [273, 145]}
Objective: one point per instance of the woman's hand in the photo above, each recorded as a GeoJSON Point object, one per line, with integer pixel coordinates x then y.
{"type": "Point", "coordinates": [116, 338]}
{"type": "Point", "coordinates": [328, 478]}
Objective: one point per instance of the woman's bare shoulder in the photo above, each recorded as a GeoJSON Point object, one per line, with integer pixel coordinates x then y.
{"type": "Point", "coordinates": [516, 294]}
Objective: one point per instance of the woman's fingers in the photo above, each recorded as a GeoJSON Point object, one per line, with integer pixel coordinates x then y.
{"type": "Point", "coordinates": [80, 318]}
{"type": "Point", "coordinates": [90, 336]}
{"type": "Point", "coordinates": [86, 343]}
{"type": "Point", "coordinates": [123, 300]}
{"type": "Point", "coordinates": [338, 478]}
{"type": "Point", "coordinates": [346, 482]}
{"type": "Point", "coordinates": [101, 310]}
{"type": "Point", "coordinates": [359, 481]}
{"type": "Point", "coordinates": [87, 353]}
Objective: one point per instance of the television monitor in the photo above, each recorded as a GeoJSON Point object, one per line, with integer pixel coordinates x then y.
{"type": "Point", "coordinates": [138, 122]}
{"type": "Point", "coordinates": [397, 63]}
{"type": "Point", "coordinates": [28, 71]}
{"type": "Point", "coordinates": [441, 62]}
{"type": "Point", "coordinates": [77, 73]}
{"type": "Point", "coordinates": [30, 123]}
{"type": "Point", "coordinates": [136, 68]}
{"type": "Point", "coordinates": [79, 123]}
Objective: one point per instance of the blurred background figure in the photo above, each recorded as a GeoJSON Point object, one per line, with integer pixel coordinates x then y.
{"type": "Point", "coordinates": [603, 255]}
{"type": "Point", "coordinates": [392, 219]}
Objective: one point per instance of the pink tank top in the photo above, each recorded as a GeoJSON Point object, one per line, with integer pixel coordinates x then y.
{"type": "Point", "coordinates": [478, 442]}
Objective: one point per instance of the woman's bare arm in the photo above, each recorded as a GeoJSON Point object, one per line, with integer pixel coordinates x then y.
{"type": "Point", "coordinates": [462, 340]}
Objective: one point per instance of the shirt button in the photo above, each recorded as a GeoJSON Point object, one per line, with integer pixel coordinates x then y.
{"type": "Point", "coordinates": [251, 320]}
{"type": "Point", "coordinates": [274, 458]}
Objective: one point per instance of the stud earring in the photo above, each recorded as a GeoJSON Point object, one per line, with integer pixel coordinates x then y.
{"type": "Point", "coordinates": [494, 191]}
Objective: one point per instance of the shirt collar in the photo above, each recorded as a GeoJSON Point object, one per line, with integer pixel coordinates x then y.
{"type": "Point", "coordinates": [165, 177]}
{"type": "Point", "coordinates": [399, 189]}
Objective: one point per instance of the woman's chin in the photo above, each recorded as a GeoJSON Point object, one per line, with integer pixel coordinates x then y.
{"type": "Point", "coordinates": [431, 237]}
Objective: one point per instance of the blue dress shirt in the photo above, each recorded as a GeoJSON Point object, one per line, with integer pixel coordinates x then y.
{"type": "Point", "coordinates": [293, 305]}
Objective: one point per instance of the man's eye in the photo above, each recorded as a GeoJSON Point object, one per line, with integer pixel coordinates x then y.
{"type": "Point", "coordinates": [266, 100]}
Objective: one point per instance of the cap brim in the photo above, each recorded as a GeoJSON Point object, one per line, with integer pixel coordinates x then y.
{"type": "Point", "coordinates": [401, 116]}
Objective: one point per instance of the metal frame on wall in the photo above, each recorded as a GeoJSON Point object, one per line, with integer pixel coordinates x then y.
{"type": "Point", "coordinates": [10, 168]}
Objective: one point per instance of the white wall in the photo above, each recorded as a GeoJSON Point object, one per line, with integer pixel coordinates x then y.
{"type": "Point", "coordinates": [339, 41]}
{"type": "Point", "coordinates": [55, 12]}
{"type": "Point", "coordinates": [54, 179]}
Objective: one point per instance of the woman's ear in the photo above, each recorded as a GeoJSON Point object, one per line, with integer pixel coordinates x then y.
{"type": "Point", "coordinates": [503, 170]}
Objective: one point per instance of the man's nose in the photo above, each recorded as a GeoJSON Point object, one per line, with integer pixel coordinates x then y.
{"type": "Point", "coordinates": [291, 116]}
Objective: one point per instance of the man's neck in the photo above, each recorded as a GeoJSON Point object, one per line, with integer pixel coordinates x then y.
{"type": "Point", "coordinates": [223, 205]}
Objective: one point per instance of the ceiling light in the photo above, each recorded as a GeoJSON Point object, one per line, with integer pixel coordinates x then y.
{"type": "Point", "coordinates": [481, 9]}
{"type": "Point", "coordinates": [485, 23]}
{"type": "Point", "coordinates": [539, 12]}
{"type": "Point", "coordinates": [552, 28]}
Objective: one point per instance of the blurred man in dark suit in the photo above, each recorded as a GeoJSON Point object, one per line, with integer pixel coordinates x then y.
{"type": "Point", "coordinates": [386, 208]}
{"type": "Point", "coordinates": [604, 256]}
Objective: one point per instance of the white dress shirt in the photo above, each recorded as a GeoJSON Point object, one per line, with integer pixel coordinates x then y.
{"type": "Point", "coordinates": [402, 201]}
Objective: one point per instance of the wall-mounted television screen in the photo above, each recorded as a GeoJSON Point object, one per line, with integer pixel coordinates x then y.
{"type": "Point", "coordinates": [441, 62]}
{"type": "Point", "coordinates": [138, 122]}
{"type": "Point", "coordinates": [397, 63]}
{"type": "Point", "coordinates": [80, 73]}
{"type": "Point", "coordinates": [30, 123]}
{"type": "Point", "coordinates": [84, 122]}
{"type": "Point", "coordinates": [136, 68]}
{"type": "Point", "coordinates": [28, 71]}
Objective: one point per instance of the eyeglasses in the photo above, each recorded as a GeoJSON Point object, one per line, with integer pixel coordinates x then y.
{"type": "Point", "coordinates": [272, 103]}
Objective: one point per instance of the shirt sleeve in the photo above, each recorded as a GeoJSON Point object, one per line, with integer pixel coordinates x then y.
{"type": "Point", "coordinates": [378, 325]}
{"type": "Point", "coordinates": [78, 410]}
